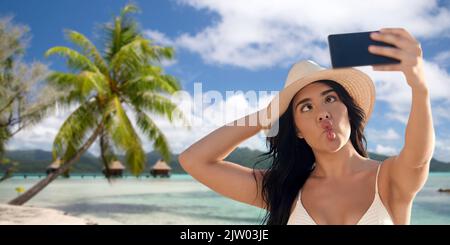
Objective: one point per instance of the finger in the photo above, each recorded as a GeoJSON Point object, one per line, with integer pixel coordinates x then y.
{"type": "Point", "coordinates": [395, 40]}
{"type": "Point", "coordinates": [394, 67]}
{"type": "Point", "coordinates": [398, 31]}
{"type": "Point", "coordinates": [387, 51]}
{"type": "Point", "coordinates": [412, 44]}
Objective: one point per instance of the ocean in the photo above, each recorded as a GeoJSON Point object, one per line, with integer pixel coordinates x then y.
{"type": "Point", "coordinates": [181, 200]}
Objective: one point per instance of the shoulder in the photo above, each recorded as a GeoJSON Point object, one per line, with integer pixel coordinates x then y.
{"type": "Point", "coordinates": [396, 176]}
{"type": "Point", "coordinates": [371, 167]}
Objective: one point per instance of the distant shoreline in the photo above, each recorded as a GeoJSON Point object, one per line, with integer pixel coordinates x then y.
{"type": "Point", "coordinates": [37, 161]}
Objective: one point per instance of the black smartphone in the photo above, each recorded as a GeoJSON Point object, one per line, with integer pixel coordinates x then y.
{"type": "Point", "coordinates": [351, 49]}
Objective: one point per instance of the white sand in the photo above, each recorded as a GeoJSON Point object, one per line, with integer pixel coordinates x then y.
{"type": "Point", "coordinates": [26, 215]}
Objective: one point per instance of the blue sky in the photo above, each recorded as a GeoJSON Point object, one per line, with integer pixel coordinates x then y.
{"type": "Point", "coordinates": [250, 45]}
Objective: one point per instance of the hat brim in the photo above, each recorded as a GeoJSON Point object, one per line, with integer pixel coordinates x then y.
{"type": "Point", "coordinates": [358, 84]}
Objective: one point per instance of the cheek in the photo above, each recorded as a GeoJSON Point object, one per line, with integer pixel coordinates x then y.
{"type": "Point", "coordinates": [297, 123]}
{"type": "Point", "coordinates": [343, 112]}
{"type": "Point", "coordinates": [304, 124]}
{"type": "Point", "coordinates": [343, 121]}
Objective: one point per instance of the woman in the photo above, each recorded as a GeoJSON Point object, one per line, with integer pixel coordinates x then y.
{"type": "Point", "coordinates": [320, 172]}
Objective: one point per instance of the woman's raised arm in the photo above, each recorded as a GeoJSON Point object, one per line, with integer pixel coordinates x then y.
{"type": "Point", "coordinates": [204, 160]}
{"type": "Point", "coordinates": [408, 171]}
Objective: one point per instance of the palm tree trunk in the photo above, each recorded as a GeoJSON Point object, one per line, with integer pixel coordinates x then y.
{"type": "Point", "coordinates": [8, 173]}
{"type": "Point", "coordinates": [30, 193]}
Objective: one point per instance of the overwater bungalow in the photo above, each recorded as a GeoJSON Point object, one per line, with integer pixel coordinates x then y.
{"type": "Point", "coordinates": [160, 168]}
{"type": "Point", "coordinates": [115, 169]}
{"type": "Point", "coordinates": [53, 167]}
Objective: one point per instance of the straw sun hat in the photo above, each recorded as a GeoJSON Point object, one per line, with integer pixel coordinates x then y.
{"type": "Point", "coordinates": [356, 83]}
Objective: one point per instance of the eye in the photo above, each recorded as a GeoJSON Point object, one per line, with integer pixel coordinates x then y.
{"type": "Point", "coordinates": [331, 96]}
{"type": "Point", "coordinates": [306, 105]}
{"type": "Point", "coordinates": [328, 99]}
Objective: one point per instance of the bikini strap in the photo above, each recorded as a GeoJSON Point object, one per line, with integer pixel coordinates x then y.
{"type": "Point", "coordinates": [376, 178]}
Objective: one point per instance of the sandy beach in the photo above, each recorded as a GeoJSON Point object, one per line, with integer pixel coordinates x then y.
{"type": "Point", "coordinates": [28, 215]}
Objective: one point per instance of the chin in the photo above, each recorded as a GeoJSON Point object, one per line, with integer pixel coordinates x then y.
{"type": "Point", "coordinates": [335, 145]}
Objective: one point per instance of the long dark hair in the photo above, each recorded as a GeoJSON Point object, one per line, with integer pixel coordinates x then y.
{"type": "Point", "coordinates": [293, 159]}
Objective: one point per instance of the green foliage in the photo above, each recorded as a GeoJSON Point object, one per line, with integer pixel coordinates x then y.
{"type": "Point", "coordinates": [127, 75]}
{"type": "Point", "coordinates": [75, 60]}
{"type": "Point", "coordinates": [72, 133]}
{"type": "Point", "coordinates": [25, 99]}
{"type": "Point", "coordinates": [89, 49]}
{"type": "Point", "coordinates": [125, 137]}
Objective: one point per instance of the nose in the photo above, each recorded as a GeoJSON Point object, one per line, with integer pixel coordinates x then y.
{"type": "Point", "coordinates": [324, 115]}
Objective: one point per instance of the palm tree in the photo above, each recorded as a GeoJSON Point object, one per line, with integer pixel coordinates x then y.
{"type": "Point", "coordinates": [125, 78]}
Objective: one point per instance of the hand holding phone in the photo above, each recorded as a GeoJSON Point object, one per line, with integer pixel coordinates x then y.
{"type": "Point", "coordinates": [351, 49]}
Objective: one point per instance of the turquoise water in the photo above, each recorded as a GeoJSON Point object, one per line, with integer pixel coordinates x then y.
{"type": "Point", "coordinates": [181, 200]}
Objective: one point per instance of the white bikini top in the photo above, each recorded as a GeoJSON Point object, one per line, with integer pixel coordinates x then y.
{"type": "Point", "coordinates": [377, 213]}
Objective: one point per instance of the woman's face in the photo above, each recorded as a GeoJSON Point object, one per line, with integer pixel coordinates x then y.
{"type": "Point", "coordinates": [316, 106]}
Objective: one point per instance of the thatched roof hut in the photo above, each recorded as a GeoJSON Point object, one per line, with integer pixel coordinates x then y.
{"type": "Point", "coordinates": [53, 166]}
{"type": "Point", "coordinates": [160, 168]}
{"type": "Point", "coordinates": [115, 169]}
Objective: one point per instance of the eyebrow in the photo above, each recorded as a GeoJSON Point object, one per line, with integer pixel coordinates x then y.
{"type": "Point", "coordinates": [308, 99]}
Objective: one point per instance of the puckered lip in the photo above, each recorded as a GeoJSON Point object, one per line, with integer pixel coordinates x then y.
{"type": "Point", "coordinates": [326, 131]}
{"type": "Point", "coordinates": [327, 125]}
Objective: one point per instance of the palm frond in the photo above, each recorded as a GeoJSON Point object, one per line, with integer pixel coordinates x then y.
{"type": "Point", "coordinates": [149, 78]}
{"type": "Point", "coordinates": [126, 60]}
{"type": "Point", "coordinates": [89, 50]}
{"type": "Point", "coordinates": [128, 9]}
{"type": "Point", "coordinates": [72, 133]}
{"type": "Point", "coordinates": [71, 81]}
{"type": "Point", "coordinates": [152, 131]}
{"type": "Point", "coordinates": [158, 53]}
{"type": "Point", "coordinates": [160, 105]}
{"type": "Point", "coordinates": [82, 84]}
{"type": "Point", "coordinates": [106, 149]}
{"type": "Point", "coordinates": [75, 60]}
{"type": "Point", "coordinates": [96, 80]}
{"type": "Point", "coordinates": [135, 159]}
{"type": "Point", "coordinates": [124, 136]}
{"type": "Point", "coordinates": [122, 31]}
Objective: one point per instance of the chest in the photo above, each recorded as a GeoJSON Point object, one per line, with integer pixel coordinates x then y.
{"type": "Point", "coordinates": [338, 203]}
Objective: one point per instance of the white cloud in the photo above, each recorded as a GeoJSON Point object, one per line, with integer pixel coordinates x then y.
{"type": "Point", "coordinates": [383, 135]}
{"type": "Point", "coordinates": [41, 135]}
{"type": "Point", "coordinates": [442, 149]}
{"type": "Point", "coordinates": [167, 63]}
{"type": "Point", "coordinates": [443, 58]}
{"type": "Point", "coordinates": [386, 150]}
{"type": "Point", "coordinates": [161, 39]}
{"type": "Point", "coordinates": [441, 114]}
{"type": "Point", "coordinates": [254, 34]}
{"type": "Point", "coordinates": [213, 116]}
{"type": "Point", "coordinates": [403, 118]}
{"type": "Point", "coordinates": [392, 88]}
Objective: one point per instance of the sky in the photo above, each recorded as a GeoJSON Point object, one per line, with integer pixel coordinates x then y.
{"type": "Point", "coordinates": [223, 47]}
